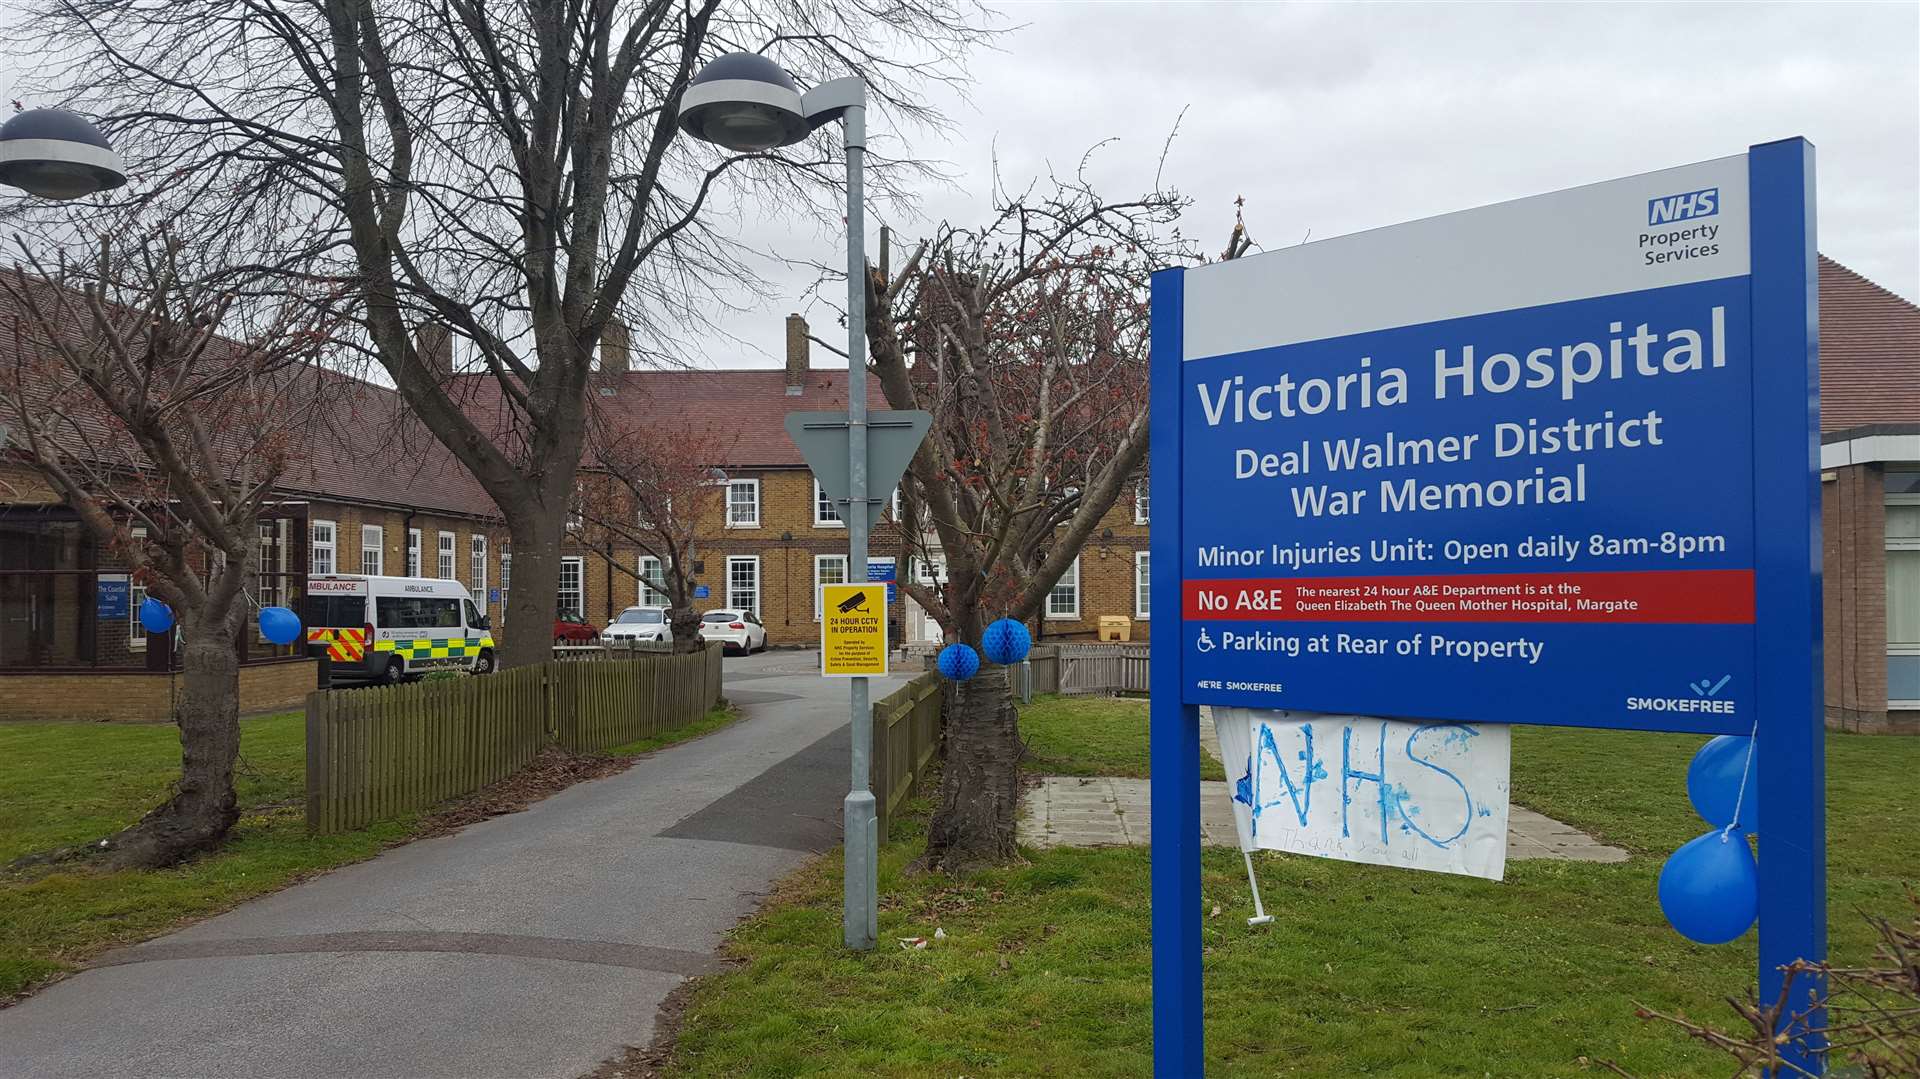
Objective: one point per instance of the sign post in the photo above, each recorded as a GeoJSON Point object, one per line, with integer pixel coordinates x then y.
{"type": "Point", "coordinates": [1548, 461]}
{"type": "Point", "coordinates": [853, 454]}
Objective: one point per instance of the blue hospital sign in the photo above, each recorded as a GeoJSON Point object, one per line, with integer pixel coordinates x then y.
{"type": "Point", "coordinates": [1516, 488]}
{"type": "Point", "coordinates": [1547, 461]}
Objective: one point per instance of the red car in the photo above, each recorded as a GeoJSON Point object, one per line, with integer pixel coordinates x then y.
{"type": "Point", "coordinates": [570, 628]}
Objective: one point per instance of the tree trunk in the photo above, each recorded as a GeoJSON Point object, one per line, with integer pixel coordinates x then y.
{"type": "Point", "coordinates": [980, 786]}
{"type": "Point", "coordinates": [533, 599]}
{"type": "Point", "coordinates": [203, 807]}
{"type": "Point", "coordinates": [685, 622]}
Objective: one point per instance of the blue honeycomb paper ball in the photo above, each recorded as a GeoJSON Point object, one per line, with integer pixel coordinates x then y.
{"type": "Point", "coordinates": [959, 662]}
{"type": "Point", "coordinates": [1006, 642]}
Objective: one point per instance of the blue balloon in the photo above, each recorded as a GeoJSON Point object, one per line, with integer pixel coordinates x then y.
{"type": "Point", "coordinates": [1710, 888]}
{"type": "Point", "coordinates": [1006, 641]}
{"type": "Point", "coordinates": [1714, 778]}
{"type": "Point", "coordinates": [959, 662]}
{"type": "Point", "coordinates": [279, 625]}
{"type": "Point", "coordinates": [155, 616]}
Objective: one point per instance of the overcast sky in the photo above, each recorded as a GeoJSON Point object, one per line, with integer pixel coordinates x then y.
{"type": "Point", "coordinates": [1331, 119]}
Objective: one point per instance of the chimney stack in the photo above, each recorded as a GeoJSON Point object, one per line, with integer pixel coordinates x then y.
{"type": "Point", "coordinates": [614, 355]}
{"type": "Point", "coordinates": [798, 358]}
{"type": "Point", "coordinates": [434, 343]}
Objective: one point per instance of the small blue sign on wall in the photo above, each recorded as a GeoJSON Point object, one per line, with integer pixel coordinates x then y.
{"type": "Point", "coordinates": [701, 591]}
{"type": "Point", "coordinates": [883, 569]}
{"type": "Point", "coordinates": [493, 595]}
{"type": "Point", "coordinates": [113, 597]}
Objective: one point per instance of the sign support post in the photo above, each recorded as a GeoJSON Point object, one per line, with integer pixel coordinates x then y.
{"type": "Point", "coordinates": [1791, 745]}
{"type": "Point", "coordinates": [1173, 725]}
{"type": "Point", "coordinates": [1475, 442]}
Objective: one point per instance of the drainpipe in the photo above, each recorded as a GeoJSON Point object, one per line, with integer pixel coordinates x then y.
{"type": "Point", "coordinates": [406, 541]}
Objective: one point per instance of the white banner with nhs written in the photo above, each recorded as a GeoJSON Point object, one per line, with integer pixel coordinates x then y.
{"type": "Point", "coordinates": [1419, 795]}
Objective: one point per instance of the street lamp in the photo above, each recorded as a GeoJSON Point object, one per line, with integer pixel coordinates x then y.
{"type": "Point", "coordinates": [57, 155]}
{"type": "Point", "coordinates": [747, 103]}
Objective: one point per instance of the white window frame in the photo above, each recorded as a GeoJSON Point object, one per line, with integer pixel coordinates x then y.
{"type": "Point", "coordinates": [506, 572]}
{"type": "Point", "coordinates": [744, 559]}
{"type": "Point", "coordinates": [416, 553]}
{"type": "Point", "coordinates": [820, 561]}
{"type": "Point", "coordinates": [753, 485]}
{"type": "Point", "coordinates": [1901, 543]}
{"type": "Point", "coordinates": [375, 566]}
{"type": "Point", "coordinates": [136, 595]}
{"type": "Point", "coordinates": [477, 566]}
{"type": "Point", "coordinates": [650, 595]}
{"type": "Point", "coordinates": [1072, 579]}
{"type": "Point", "coordinates": [447, 556]}
{"type": "Point", "coordinates": [1142, 588]}
{"type": "Point", "coordinates": [1142, 503]}
{"type": "Point", "coordinates": [316, 545]}
{"type": "Point", "coordinates": [821, 502]}
{"type": "Point", "coordinates": [276, 542]}
{"type": "Point", "coordinates": [578, 564]}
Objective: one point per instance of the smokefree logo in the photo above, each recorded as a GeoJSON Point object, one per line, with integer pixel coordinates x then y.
{"type": "Point", "coordinates": [1683, 207]}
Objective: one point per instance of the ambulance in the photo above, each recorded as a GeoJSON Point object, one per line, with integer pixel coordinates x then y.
{"type": "Point", "coordinates": [390, 629]}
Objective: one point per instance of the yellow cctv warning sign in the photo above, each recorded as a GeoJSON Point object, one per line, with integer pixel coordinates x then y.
{"type": "Point", "coordinates": [853, 629]}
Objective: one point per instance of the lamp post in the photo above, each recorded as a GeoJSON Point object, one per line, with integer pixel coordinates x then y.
{"type": "Point", "coordinates": [747, 103]}
{"type": "Point", "coordinates": [57, 155]}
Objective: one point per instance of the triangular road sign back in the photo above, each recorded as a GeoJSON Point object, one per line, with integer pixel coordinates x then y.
{"type": "Point", "coordinates": [892, 439]}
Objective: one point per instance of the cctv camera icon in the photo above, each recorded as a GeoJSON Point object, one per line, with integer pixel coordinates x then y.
{"type": "Point", "coordinates": [855, 602]}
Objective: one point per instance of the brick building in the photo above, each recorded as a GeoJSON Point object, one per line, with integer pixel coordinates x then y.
{"type": "Point", "coordinates": [767, 538]}
{"type": "Point", "coordinates": [372, 499]}
{"type": "Point", "coordinates": [1870, 502]}
{"type": "Point", "coordinates": [59, 656]}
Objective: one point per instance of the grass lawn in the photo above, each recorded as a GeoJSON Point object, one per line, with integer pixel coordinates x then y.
{"type": "Point", "coordinates": [1366, 970]}
{"type": "Point", "coordinates": [68, 783]}
{"type": "Point", "coordinates": [1091, 736]}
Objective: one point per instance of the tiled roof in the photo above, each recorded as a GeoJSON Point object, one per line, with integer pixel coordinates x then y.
{"type": "Point", "coordinates": [362, 445]}
{"type": "Point", "coordinates": [369, 449]}
{"type": "Point", "coordinates": [1869, 352]}
{"type": "Point", "coordinates": [744, 409]}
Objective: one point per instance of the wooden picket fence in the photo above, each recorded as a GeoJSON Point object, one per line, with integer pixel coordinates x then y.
{"type": "Point", "coordinates": [573, 651]}
{"type": "Point", "coordinates": [597, 706]}
{"type": "Point", "coordinates": [382, 751]}
{"type": "Point", "coordinates": [1103, 668]}
{"type": "Point", "coordinates": [906, 735]}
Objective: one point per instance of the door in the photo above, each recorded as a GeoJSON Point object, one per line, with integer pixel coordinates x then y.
{"type": "Point", "coordinates": [26, 604]}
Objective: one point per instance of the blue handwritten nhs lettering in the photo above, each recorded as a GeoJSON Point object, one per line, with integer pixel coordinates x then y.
{"type": "Point", "coordinates": [1668, 209]}
{"type": "Point", "coordinates": [1393, 798]}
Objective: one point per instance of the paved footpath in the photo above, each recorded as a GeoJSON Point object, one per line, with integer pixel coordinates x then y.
{"type": "Point", "coordinates": [531, 945]}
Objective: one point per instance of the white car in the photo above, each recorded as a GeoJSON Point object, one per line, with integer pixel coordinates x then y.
{"type": "Point", "coordinates": [639, 624]}
{"type": "Point", "coordinates": [736, 630]}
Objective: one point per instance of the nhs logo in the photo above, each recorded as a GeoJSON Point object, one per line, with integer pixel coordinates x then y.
{"type": "Point", "coordinates": [1672, 208]}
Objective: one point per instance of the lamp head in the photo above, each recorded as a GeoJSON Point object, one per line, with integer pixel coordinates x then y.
{"type": "Point", "coordinates": [744, 102]}
{"type": "Point", "coordinates": [57, 154]}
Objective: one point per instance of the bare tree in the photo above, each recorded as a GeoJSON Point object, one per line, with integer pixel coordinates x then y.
{"type": "Point", "coordinates": [650, 490]}
{"type": "Point", "coordinates": [166, 438]}
{"type": "Point", "coordinates": [1027, 340]}
{"type": "Point", "coordinates": [1860, 1021]}
{"type": "Point", "coordinates": [505, 175]}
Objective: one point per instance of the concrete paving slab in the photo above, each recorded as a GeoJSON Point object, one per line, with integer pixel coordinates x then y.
{"type": "Point", "coordinates": [1077, 811]}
